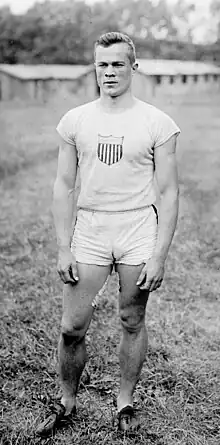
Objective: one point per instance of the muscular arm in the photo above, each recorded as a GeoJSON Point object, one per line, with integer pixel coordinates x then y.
{"type": "Point", "coordinates": [167, 181]}
{"type": "Point", "coordinates": [63, 193]}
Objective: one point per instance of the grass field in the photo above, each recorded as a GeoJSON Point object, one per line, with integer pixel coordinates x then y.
{"type": "Point", "coordinates": [178, 395]}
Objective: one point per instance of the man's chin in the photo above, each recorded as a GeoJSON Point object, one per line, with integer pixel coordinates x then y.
{"type": "Point", "coordinates": [112, 93]}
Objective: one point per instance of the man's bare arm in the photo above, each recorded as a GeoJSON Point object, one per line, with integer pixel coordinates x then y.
{"type": "Point", "coordinates": [62, 208]}
{"type": "Point", "coordinates": [166, 175]}
{"type": "Point", "coordinates": [167, 181]}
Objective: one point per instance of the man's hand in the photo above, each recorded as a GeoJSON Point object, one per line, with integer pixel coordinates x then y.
{"type": "Point", "coordinates": [66, 266]}
{"type": "Point", "coordinates": [151, 275]}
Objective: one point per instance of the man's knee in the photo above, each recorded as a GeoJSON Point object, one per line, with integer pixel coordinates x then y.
{"type": "Point", "coordinates": [73, 331]}
{"type": "Point", "coordinates": [132, 319]}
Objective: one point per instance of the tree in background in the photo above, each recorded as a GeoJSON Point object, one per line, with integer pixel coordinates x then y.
{"type": "Point", "coordinates": [65, 32]}
{"type": "Point", "coordinates": [215, 13]}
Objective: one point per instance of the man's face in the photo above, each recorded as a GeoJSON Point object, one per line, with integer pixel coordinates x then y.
{"type": "Point", "coordinates": [113, 69]}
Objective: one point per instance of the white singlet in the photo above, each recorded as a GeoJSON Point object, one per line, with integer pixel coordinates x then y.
{"type": "Point", "coordinates": [116, 153]}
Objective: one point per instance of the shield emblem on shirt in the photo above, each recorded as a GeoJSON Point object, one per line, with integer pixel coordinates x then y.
{"type": "Point", "coordinates": [110, 149]}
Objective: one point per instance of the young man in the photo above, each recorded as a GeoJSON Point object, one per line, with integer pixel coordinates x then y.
{"type": "Point", "coordinates": [118, 144]}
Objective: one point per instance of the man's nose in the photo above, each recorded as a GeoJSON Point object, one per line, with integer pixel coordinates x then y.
{"type": "Point", "coordinates": [109, 71]}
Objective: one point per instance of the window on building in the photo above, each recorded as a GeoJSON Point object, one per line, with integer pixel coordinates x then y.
{"type": "Point", "coordinates": [171, 80]}
{"type": "Point", "coordinates": [206, 77]}
{"type": "Point", "coordinates": [215, 77]}
{"type": "Point", "coordinates": [184, 78]}
{"type": "Point", "coordinates": [158, 80]}
{"type": "Point", "coordinates": [195, 78]}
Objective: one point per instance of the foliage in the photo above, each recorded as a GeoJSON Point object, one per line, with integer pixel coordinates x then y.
{"type": "Point", "coordinates": [215, 10]}
{"type": "Point", "coordinates": [65, 32]}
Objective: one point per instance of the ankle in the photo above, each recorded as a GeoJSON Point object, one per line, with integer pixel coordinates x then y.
{"type": "Point", "coordinates": [69, 403]}
{"type": "Point", "coordinates": [124, 400]}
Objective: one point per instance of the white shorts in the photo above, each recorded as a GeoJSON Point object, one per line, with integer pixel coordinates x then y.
{"type": "Point", "coordinates": [103, 238]}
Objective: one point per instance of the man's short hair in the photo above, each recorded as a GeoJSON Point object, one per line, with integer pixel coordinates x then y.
{"type": "Point", "coordinates": [110, 38]}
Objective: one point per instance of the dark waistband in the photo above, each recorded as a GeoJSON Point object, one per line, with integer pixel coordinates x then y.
{"type": "Point", "coordinates": [115, 212]}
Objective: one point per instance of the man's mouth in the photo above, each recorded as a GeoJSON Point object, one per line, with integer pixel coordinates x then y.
{"type": "Point", "coordinates": [109, 82]}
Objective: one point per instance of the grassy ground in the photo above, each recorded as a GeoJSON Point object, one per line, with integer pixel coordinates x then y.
{"type": "Point", "coordinates": [178, 395]}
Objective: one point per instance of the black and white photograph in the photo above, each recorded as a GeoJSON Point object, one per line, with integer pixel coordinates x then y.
{"type": "Point", "coordinates": [110, 222]}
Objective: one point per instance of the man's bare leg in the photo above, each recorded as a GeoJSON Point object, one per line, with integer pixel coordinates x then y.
{"type": "Point", "coordinates": [133, 347]}
{"type": "Point", "coordinates": [77, 314]}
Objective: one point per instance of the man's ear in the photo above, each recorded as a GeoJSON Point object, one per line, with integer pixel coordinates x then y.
{"type": "Point", "coordinates": [135, 66]}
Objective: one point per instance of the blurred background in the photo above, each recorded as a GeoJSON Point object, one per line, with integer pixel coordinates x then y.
{"type": "Point", "coordinates": [46, 48]}
{"type": "Point", "coordinates": [46, 32]}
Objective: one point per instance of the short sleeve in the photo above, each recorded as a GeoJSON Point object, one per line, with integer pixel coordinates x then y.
{"type": "Point", "coordinates": [66, 128]}
{"type": "Point", "coordinates": [164, 128]}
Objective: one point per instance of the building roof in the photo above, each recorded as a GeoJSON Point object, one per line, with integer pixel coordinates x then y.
{"type": "Point", "coordinates": [146, 66]}
{"type": "Point", "coordinates": [174, 67]}
{"type": "Point", "coordinates": [46, 72]}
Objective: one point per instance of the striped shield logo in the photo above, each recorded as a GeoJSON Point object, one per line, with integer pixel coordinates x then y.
{"type": "Point", "coordinates": [110, 149]}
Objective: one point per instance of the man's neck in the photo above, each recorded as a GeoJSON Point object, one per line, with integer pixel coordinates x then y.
{"type": "Point", "coordinates": [117, 104]}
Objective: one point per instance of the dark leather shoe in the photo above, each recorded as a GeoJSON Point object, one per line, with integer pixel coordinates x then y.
{"type": "Point", "coordinates": [54, 419]}
{"type": "Point", "coordinates": [125, 418]}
